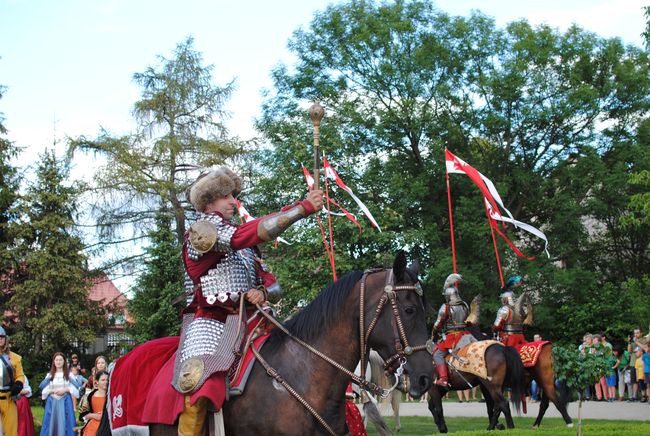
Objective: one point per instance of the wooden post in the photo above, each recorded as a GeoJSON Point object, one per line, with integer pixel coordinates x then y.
{"type": "Point", "coordinates": [316, 113]}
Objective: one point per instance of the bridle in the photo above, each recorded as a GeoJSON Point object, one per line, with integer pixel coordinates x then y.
{"type": "Point", "coordinates": [394, 363]}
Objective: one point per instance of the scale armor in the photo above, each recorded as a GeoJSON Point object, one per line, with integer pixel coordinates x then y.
{"type": "Point", "coordinates": [235, 274]}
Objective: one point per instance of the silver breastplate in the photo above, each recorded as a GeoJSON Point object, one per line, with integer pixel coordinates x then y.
{"type": "Point", "coordinates": [5, 376]}
{"type": "Point", "coordinates": [231, 277]}
{"type": "Point", "coordinates": [515, 323]}
{"type": "Point", "coordinates": [458, 313]}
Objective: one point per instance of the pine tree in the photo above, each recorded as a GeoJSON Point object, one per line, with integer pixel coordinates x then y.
{"type": "Point", "coordinates": [156, 289]}
{"type": "Point", "coordinates": [180, 126]}
{"type": "Point", "coordinates": [8, 192]}
{"type": "Point", "coordinates": [51, 294]}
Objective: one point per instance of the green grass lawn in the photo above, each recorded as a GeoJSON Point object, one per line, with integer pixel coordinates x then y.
{"type": "Point", "coordinates": [424, 425]}
{"type": "Point", "coordinates": [421, 426]}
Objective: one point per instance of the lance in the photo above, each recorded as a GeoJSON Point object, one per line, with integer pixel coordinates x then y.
{"type": "Point", "coordinates": [316, 113]}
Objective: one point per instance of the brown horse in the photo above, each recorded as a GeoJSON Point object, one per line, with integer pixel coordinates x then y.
{"type": "Point", "coordinates": [542, 372]}
{"type": "Point", "coordinates": [544, 375]}
{"type": "Point", "coordinates": [393, 309]}
{"type": "Point", "coordinates": [504, 369]}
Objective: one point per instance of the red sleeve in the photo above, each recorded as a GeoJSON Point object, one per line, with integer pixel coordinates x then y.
{"type": "Point", "coordinates": [197, 268]}
{"type": "Point", "coordinates": [268, 278]}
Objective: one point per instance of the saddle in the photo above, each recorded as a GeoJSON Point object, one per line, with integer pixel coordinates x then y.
{"type": "Point", "coordinates": [471, 358]}
{"type": "Point", "coordinates": [530, 351]}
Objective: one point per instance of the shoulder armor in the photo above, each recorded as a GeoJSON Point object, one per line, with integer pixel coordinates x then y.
{"type": "Point", "coordinates": [210, 233]}
{"type": "Point", "coordinates": [203, 236]}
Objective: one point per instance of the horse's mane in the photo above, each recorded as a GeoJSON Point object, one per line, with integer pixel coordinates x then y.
{"type": "Point", "coordinates": [321, 312]}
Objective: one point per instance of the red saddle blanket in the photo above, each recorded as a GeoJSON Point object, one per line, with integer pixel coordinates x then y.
{"type": "Point", "coordinates": [140, 391]}
{"type": "Point", "coordinates": [529, 352]}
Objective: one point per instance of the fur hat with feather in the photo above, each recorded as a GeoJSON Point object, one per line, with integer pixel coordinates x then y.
{"type": "Point", "coordinates": [210, 186]}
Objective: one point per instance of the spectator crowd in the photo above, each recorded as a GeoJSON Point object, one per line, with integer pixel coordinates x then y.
{"type": "Point", "coordinates": [627, 368]}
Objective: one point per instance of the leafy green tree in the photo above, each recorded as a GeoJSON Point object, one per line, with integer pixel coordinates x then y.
{"type": "Point", "coordinates": [552, 118]}
{"type": "Point", "coordinates": [50, 301]}
{"type": "Point", "coordinates": [158, 286]}
{"type": "Point", "coordinates": [180, 128]}
{"type": "Point", "coordinates": [577, 371]}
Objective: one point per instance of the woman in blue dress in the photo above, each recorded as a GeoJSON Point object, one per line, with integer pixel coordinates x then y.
{"type": "Point", "coordinates": [58, 390]}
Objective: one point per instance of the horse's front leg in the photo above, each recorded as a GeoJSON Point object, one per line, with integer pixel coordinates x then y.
{"type": "Point", "coordinates": [396, 399]}
{"type": "Point", "coordinates": [435, 406]}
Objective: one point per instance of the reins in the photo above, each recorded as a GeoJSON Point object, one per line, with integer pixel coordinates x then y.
{"type": "Point", "coordinates": [390, 294]}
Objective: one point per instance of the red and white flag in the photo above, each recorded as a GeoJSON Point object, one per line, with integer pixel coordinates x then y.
{"type": "Point", "coordinates": [456, 165]}
{"type": "Point", "coordinates": [331, 174]}
{"type": "Point", "coordinates": [308, 178]}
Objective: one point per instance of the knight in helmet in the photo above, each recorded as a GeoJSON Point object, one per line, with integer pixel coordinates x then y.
{"type": "Point", "coordinates": [225, 275]}
{"type": "Point", "coordinates": [513, 314]}
{"type": "Point", "coordinates": [454, 316]}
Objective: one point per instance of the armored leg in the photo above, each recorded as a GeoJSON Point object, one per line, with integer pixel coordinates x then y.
{"type": "Point", "coordinates": [441, 367]}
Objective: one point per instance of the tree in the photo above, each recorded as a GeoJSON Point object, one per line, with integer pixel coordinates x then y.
{"type": "Point", "coordinates": [8, 195]}
{"type": "Point", "coordinates": [179, 129]}
{"type": "Point", "coordinates": [547, 115]}
{"type": "Point", "coordinates": [578, 371]}
{"type": "Point", "coordinates": [50, 301]}
{"type": "Point", "coordinates": [156, 289]}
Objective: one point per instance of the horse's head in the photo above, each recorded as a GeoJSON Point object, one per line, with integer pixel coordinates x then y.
{"type": "Point", "coordinates": [394, 322]}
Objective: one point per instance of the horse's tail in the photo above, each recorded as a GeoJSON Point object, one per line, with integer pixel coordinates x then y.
{"type": "Point", "coordinates": [515, 376]}
{"type": "Point", "coordinates": [372, 413]}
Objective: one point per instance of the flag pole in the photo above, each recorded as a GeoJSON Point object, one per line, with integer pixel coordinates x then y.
{"type": "Point", "coordinates": [451, 221]}
{"type": "Point", "coordinates": [316, 113]}
{"type": "Point", "coordinates": [494, 242]}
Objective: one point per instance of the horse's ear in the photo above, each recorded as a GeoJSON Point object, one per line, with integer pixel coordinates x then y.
{"type": "Point", "coordinates": [399, 265]}
{"type": "Point", "coordinates": [415, 268]}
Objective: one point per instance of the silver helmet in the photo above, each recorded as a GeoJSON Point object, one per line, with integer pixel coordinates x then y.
{"type": "Point", "coordinates": [450, 289]}
{"type": "Point", "coordinates": [508, 297]}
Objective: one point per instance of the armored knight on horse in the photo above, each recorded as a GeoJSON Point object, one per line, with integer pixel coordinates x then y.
{"type": "Point", "coordinates": [228, 277]}
{"type": "Point", "coordinates": [513, 315]}
{"type": "Point", "coordinates": [454, 315]}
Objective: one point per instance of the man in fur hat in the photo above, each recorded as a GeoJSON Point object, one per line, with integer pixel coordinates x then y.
{"type": "Point", "coordinates": [11, 383]}
{"type": "Point", "coordinates": [226, 273]}
{"type": "Point", "coordinates": [453, 316]}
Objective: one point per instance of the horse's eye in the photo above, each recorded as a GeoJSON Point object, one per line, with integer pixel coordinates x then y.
{"type": "Point", "coordinates": [410, 310]}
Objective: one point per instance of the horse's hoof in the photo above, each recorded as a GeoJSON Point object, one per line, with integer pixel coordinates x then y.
{"type": "Point", "coordinates": [570, 425]}
{"type": "Point", "coordinates": [500, 427]}
{"type": "Point", "coordinates": [535, 427]}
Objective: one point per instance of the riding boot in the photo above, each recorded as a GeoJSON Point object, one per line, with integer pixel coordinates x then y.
{"type": "Point", "coordinates": [192, 419]}
{"type": "Point", "coordinates": [443, 375]}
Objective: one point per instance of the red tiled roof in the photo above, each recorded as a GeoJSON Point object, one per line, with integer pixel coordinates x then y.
{"type": "Point", "coordinates": [105, 292]}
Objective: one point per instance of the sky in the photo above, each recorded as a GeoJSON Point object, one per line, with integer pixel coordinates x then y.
{"type": "Point", "coordinates": [68, 64]}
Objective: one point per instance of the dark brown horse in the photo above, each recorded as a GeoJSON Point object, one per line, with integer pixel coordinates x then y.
{"type": "Point", "coordinates": [504, 369]}
{"type": "Point", "coordinates": [331, 324]}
